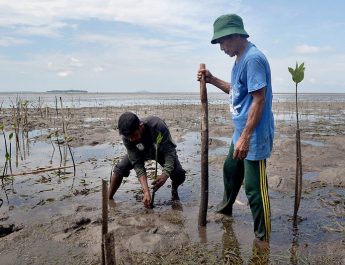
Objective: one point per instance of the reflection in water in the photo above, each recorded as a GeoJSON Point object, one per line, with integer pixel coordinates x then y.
{"type": "Point", "coordinates": [294, 246]}
{"type": "Point", "coordinates": [260, 253]}
{"type": "Point", "coordinates": [232, 250]}
{"type": "Point", "coordinates": [202, 234]}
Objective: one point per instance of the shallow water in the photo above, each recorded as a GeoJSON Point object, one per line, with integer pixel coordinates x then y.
{"type": "Point", "coordinates": [39, 197]}
{"type": "Point", "coordinates": [79, 100]}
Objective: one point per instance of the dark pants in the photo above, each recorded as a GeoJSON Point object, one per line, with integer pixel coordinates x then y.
{"type": "Point", "coordinates": [177, 176]}
{"type": "Point", "coordinates": [255, 184]}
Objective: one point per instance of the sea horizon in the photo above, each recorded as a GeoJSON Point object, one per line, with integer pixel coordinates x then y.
{"type": "Point", "coordinates": [122, 99]}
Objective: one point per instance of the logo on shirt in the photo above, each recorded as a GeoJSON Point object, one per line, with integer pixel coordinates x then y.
{"type": "Point", "coordinates": [140, 146]}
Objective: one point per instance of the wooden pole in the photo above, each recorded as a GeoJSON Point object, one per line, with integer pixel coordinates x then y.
{"type": "Point", "coordinates": [204, 151]}
{"type": "Point", "coordinates": [104, 217]}
{"type": "Point", "coordinates": [109, 249]}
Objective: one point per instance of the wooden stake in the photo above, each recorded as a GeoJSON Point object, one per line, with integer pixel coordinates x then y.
{"type": "Point", "coordinates": [104, 207]}
{"type": "Point", "coordinates": [204, 151]}
{"type": "Point", "coordinates": [109, 250]}
{"type": "Point", "coordinates": [104, 217]}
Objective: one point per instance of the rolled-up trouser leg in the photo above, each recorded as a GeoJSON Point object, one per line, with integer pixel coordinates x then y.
{"type": "Point", "coordinates": [255, 183]}
{"type": "Point", "coordinates": [233, 174]}
{"type": "Point", "coordinates": [178, 175]}
{"type": "Point", "coordinates": [120, 170]}
{"type": "Point", "coordinates": [123, 167]}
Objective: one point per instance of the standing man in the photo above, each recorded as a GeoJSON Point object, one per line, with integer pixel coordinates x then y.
{"type": "Point", "coordinates": [139, 138]}
{"type": "Point", "coordinates": [250, 99]}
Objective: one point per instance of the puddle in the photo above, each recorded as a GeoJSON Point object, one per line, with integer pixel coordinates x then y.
{"type": "Point", "coordinates": [310, 176]}
{"type": "Point", "coordinates": [94, 119]}
{"type": "Point", "coordinates": [313, 143]}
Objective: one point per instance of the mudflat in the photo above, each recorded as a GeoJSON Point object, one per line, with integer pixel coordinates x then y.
{"type": "Point", "coordinates": [54, 216]}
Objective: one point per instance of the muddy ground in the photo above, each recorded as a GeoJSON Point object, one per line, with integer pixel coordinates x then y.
{"type": "Point", "coordinates": [54, 217]}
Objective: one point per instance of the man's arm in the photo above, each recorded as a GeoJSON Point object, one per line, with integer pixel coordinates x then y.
{"type": "Point", "coordinates": [146, 191]}
{"type": "Point", "coordinates": [254, 115]}
{"type": "Point", "coordinates": [209, 78]}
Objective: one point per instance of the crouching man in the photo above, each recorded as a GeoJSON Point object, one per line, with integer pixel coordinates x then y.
{"type": "Point", "coordinates": [139, 138]}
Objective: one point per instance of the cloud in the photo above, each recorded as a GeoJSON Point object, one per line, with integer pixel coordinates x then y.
{"type": "Point", "coordinates": [11, 41]}
{"type": "Point", "coordinates": [178, 16]}
{"type": "Point", "coordinates": [98, 69]}
{"type": "Point", "coordinates": [309, 49]}
{"type": "Point", "coordinates": [64, 73]}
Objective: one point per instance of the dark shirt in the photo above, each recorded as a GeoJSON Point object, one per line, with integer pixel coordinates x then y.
{"type": "Point", "coordinates": [138, 153]}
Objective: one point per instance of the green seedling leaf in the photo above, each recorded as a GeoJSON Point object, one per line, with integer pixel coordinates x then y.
{"type": "Point", "coordinates": [297, 73]}
{"type": "Point", "coordinates": [1, 126]}
{"type": "Point", "coordinates": [159, 138]}
{"type": "Point", "coordinates": [7, 156]}
{"type": "Point", "coordinates": [10, 136]}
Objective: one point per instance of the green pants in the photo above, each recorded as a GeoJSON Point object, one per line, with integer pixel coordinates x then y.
{"type": "Point", "coordinates": [255, 183]}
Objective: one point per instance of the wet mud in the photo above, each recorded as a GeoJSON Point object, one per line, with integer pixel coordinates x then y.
{"type": "Point", "coordinates": [54, 216]}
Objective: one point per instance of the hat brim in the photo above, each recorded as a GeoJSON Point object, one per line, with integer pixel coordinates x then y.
{"type": "Point", "coordinates": [227, 32]}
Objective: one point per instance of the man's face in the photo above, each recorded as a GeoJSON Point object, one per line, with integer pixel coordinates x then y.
{"type": "Point", "coordinates": [135, 137]}
{"type": "Point", "coordinates": [229, 45]}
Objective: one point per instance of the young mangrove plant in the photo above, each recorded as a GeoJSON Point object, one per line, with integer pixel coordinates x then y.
{"type": "Point", "coordinates": [297, 76]}
{"type": "Point", "coordinates": [69, 139]}
{"type": "Point", "coordinates": [158, 142]}
{"type": "Point", "coordinates": [9, 157]}
{"type": "Point", "coordinates": [51, 142]}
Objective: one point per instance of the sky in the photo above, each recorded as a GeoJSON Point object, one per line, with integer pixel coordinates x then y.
{"type": "Point", "coordinates": [158, 45]}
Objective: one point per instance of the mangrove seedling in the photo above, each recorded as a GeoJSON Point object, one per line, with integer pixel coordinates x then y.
{"type": "Point", "coordinates": [297, 76]}
{"type": "Point", "coordinates": [158, 141]}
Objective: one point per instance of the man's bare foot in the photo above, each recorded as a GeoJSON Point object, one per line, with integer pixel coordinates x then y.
{"type": "Point", "coordinates": [174, 194]}
{"type": "Point", "coordinates": [261, 245]}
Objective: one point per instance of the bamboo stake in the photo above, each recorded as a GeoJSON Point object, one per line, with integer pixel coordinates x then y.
{"type": "Point", "coordinates": [204, 151]}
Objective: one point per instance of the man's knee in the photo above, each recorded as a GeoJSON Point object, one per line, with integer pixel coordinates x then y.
{"type": "Point", "coordinates": [178, 177]}
{"type": "Point", "coordinates": [123, 167]}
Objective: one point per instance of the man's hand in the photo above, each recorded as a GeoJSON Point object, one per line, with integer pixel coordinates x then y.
{"type": "Point", "coordinates": [159, 182]}
{"type": "Point", "coordinates": [241, 148]}
{"type": "Point", "coordinates": [207, 73]}
{"type": "Point", "coordinates": [147, 199]}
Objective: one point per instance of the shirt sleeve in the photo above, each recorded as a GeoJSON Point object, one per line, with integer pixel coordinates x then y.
{"type": "Point", "coordinates": [136, 159]}
{"type": "Point", "coordinates": [256, 74]}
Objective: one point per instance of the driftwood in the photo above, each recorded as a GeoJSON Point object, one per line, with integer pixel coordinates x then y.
{"type": "Point", "coordinates": [38, 171]}
{"type": "Point", "coordinates": [204, 151]}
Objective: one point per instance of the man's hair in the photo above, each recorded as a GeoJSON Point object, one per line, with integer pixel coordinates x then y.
{"type": "Point", "coordinates": [128, 123]}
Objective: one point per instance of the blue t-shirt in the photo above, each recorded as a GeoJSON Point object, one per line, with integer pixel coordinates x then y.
{"type": "Point", "coordinates": [250, 74]}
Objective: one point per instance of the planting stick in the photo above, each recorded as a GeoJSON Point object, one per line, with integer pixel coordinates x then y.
{"type": "Point", "coordinates": [204, 151]}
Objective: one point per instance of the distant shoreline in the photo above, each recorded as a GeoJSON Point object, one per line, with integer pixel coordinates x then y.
{"type": "Point", "coordinates": [67, 91]}
{"type": "Point", "coordinates": [147, 92]}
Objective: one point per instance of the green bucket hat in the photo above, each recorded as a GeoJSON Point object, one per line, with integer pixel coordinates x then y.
{"type": "Point", "coordinates": [227, 25]}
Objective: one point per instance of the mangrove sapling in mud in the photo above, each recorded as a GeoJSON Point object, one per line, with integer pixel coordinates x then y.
{"type": "Point", "coordinates": [4, 172]}
{"type": "Point", "coordinates": [51, 141]}
{"type": "Point", "coordinates": [297, 76]}
{"type": "Point", "coordinates": [59, 142]}
{"type": "Point", "coordinates": [158, 141]}
{"type": "Point", "coordinates": [10, 152]}
{"type": "Point", "coordinates": [69, 139]}
{"type": "Point", "coordinates": [18, 150]}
